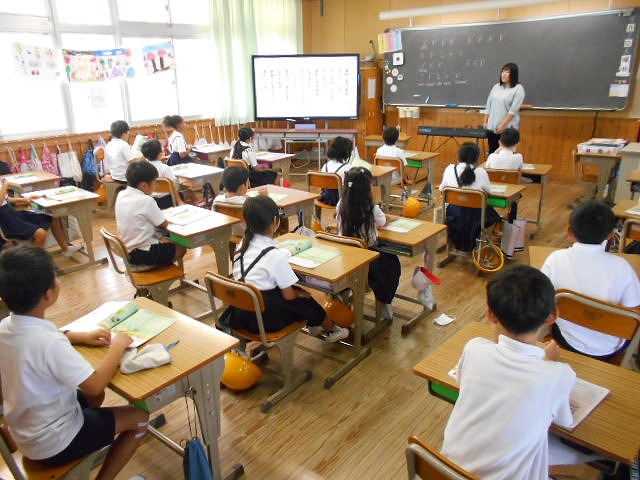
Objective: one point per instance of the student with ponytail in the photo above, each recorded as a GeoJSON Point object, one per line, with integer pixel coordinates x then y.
{"type": "Point", "coordinates": [243, 149]}
{"type": "Point", "coordinates": [463, 223]}
{"type": "Point", "coordinates": [260, 263]}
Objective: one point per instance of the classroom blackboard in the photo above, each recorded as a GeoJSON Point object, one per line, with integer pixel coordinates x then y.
{"type": "Point", "coordinates": [569, 62]}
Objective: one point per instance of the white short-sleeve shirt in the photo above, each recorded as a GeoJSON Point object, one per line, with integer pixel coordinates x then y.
{"type": "Point", "coordinates": [271, 271]}
{"type": "Point", "coordinates": [392, 151]}
{"type": "Point", "coordinates": [137, 216]}
{"type": "Point", "coordinates": [177, 142]}
{"type": "Point", "coordinates": [449, 178]}
{"type": "Point", "coordinates": [237, 228]}
{"type": "Point", "coordinates": [40, 372]}
{"type": "Point", "coordinates": [589, 270]}
{"type": "Point", "coordinates": [509, 396]}
{"type": "Point", "coordinates": [164, 170]}
{"type": "Point", "coordinates": [379, 218]}
{"type": "Point", "coordinates": [334, 166]}
{"type": "Point", "coordinates": [249, 154]}
{"type": "Point", "coordinates": [119, 153]}
{"type": "Point", "coordinates": [505, 160]}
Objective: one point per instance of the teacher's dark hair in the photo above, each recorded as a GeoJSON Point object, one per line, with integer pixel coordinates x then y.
{"type": "Point", "coordinates": [513, 74]}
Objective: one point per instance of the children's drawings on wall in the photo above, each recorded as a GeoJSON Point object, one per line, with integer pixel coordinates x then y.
{"type": "Point", "coordinates": [94, 65]}
{"type": "Point", "coordinates": [158, 58]}
{"type": "Point", "coordinates": [42, 62]}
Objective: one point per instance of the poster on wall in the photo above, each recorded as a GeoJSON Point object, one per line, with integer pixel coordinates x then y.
{"type": "Point", "coordinates": [37, 62]}
{"type": "Point", "coordinates": [93, 65]}
{"type": "Point", "coordinates": [158, 58]}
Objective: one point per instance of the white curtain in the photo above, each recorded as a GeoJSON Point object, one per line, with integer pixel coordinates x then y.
{"type": "Point", "coordinates": [242, 28]}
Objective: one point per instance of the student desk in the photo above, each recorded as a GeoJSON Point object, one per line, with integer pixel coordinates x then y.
{"type": "Point", "coordinates": [504, 198]}
{"type": "Point", "coordinates": [29, 181]}
{"type": "Point", "coordinates": [213, 230]}
{"type": "Point", "coordinates": [620, 209]}
{"type": "Point", "coordinates": [607, 166]}
{"type": "Point", "coordinates": [196, 366]}
{"type": "Point", "coordinates": [81, 208]}
{"type": "Point", "coordinates": [278, 161]}
{"type": "Point", "coordinates": [377, 141]}
{"type": "Point", "coordinates": [630, 161]}
{"type": "Point", "coordinates": [294, 201]}
{"type": "Point", "coordinates": [421, 240]}
{"type": "Point", "coordinates": [538, 255]}
{"type": "Point", "coordinates": [634, 180]}
{"type": "Point", "coordinates": [609, 427]}
{"type": "Point", "coordinates": [196, 174]}
{"type": "Point", "coordinates": [382, 178]}
{"type": "Point", "coordinates": [420, 159]}
{"type": "Point", "coordinates": [347, 270]}
{"type": "Point", "coordinates": [212, 152]}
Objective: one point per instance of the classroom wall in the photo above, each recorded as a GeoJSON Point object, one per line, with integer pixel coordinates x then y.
{"type": "Point", "coordinates": [548, 137]}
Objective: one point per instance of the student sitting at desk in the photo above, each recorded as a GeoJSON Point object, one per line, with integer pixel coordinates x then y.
{"type": "Point", "coordinates": [260, 263]}
{"type": "Point", "coordinates": [178, 148]}
{"type": "Point", "coordinates": [235, 181]}
{"type": "Point", "coordinates": [338, 156]}
{"type": "Point", "coordinates": [586, 268]}
{"type": "Point", "coordinates": [243, 149]}
{"type": "Point", "coordinates": [118, 152]}
{"type": "Point", "coordinates": [152, 151]}
{"type": "Point", "coordinates": [511, 391]}
{"type": "Point", "coordinates": [52, 395]}
{"type": "Point", "coordinates": [358, 216]}
{"type": "Point", "coordinates": [28, 225]}
{"type": "Point", "coordinates": [463, 223]}
{"type": "Point", "coordinates": [390, 136]}
{"type": "Point", "coordinates": [138, 216]}
{"type": "Point", "coordinates": [506, 157]}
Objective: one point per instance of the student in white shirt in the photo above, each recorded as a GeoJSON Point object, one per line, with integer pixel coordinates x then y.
{"type": "Point", "coordinates": [511, 391]}
{"type": "Point", "coordinates": [52, 395]}
{"type": "Point", "coordinates": [338, 156]}
{"type": "Point", "coordinates": [152, 151]}
{"type": "Point", "coordinates": [506, 157]}
{"type": "Point", "coordinates": [235, 181]}
{"type": "Point", "coordinates": [358, 216]}
{"type": "Point", "coordinates": [390, 136]}
{"type": "Point", "coordinates": [586, 268]}
{"type": "Point", "coordinates": [243, 148]}
{"type": "Point", "coordinates": [463, 223]}
{"type": "Point", "coordinates": [138, 217]}
{"type": "Point", "coordinates": [260, 263]}
{"type": "Point", "coordinates": [178, 148]}
{"type": "Point", "coordinates": [118, 152]}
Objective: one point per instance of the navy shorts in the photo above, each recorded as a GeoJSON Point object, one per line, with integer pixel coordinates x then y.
{"type": "Point", "coordinates": [98, 430]}
{"type": "Point", "coordinates": [160, 254]}
{"type": "Point", "coordinates": [21, 224]}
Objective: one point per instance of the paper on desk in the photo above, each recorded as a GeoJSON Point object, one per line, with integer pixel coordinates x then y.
{"type": "Point", "coordinates": [401, 225]}
{"type": "Point", "coordinates": [498, 188]}
{"type": "Point", "coordinates": [276, 197]}
{"type": "Point", "coordinates": [313, 257]}
{"type": "Point", "coordinates": [584, 397]}
{"type": "Point", "coordinates": [410, 154]}
{"type": "Point", "coordinates": [21, 178]}
{"type": "Point", "coordinates": [65, 193]}
{"type": "Point", "coordinates": [266, 156]}
{"type": "Point", "coordinates": [635, 210]}
{"type": "Point", "coordinates": [185, 214]}
{"type": "Point", "coordinates": [528, 166]}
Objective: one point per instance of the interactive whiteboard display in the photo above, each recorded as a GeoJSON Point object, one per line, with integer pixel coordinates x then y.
{"type": "Point", "coordinates": [306, 86]}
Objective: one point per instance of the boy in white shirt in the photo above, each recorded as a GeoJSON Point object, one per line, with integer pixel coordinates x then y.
{"type": "Point", "coordinates": [390, 136]}
{"type": "Point", "coordinates": [118, 151]}
{"type": "Point", "coordinates": [52, 395]}
{"type": "Point", "coordinates": [235, 181]}
{"type": "Point", "coordinates": [138, 216]}
{"type": "Point", "coordinates": [586, 268]}
{"type": "Point", "coordinates": [505, 157]}
{"type": "Point", "coordinates": [152, 150]}
{"type": "Point", "coordinates": [511, 391]}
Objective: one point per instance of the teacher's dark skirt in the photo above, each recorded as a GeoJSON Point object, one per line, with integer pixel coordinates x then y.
{"type": "Point", "coordinates": [463, 225]}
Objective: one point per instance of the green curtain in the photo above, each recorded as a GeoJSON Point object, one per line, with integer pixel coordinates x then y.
{"type": "Point", "coordinates": [242, 28]}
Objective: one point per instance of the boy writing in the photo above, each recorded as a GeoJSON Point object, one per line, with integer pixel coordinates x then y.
{"type": "Point", "coordinates": [586, 268]}
{"type": "Point", "coordinates": [511, 391]}
{"type": "Point", "coordinates": [138, 216]}
{"type": "Point", "coordinates": [506, 157]}
{"type": "Point", "coordinates": [52, 395]}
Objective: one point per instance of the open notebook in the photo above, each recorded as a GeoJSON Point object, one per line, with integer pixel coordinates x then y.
{"type": "Point", "coordinates": [305, 254]}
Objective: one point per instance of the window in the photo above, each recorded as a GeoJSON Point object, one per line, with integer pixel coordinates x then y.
{"type": "Point", "coordinates": [150, 11]}
{"type": "Point", "coordinates": [191, 12]}
{"type": "Point", "coordinates": [83, 12]}
{"type": "Point", "coordinates": [197, 88]}
{"type": "Point", "coordinates": [24, 7]}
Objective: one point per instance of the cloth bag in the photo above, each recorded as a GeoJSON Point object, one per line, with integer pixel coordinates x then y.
{"type": "Point", "coordinates": [24, 165]}
{"type": "Point", "coordinates": [49, 160]}
{"type": "Point", "coordinates": [13, 162]}
{"type": "Point", "coordinates": [150, 356]}
{"type": "Point", "coordinates": [513, 236]}
{"type": "Point", "coordinates": [36, 164]}
{"type": "Point", "coordinates": [69, 165]}
{"type": "Point", "coordinates": [195, 463]}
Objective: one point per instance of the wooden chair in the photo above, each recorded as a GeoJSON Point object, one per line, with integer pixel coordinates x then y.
{"type": "Point", "coordinates": [13, 242]}
{"type": "Point", "coordinates": [236, 162]}
{"type": "Point", "coordinates": [112, 189]}
{"type": "Point", "coordinates": [504, 176]}
{"type": "Point", "coordinates": [21, 468]}
{"type": "Point", "coordinates": [604, 317]}
{"type": "Point", "coordinates": [153, 282]}
{"type": "Point", "coordinates": [247, 297]}
{"type": "Point", "coordinates": [233, 210]}
{"type": "Point", "coordinates": [630, 231]}
{"type": "Point", "coordinates": [166, 185]}
{"type": "Point", "coordinates": [427, 463]}
{"type": "Point", "coordinates": [323, 180]}
{"type": "Point", "coordinates": [399, 164]}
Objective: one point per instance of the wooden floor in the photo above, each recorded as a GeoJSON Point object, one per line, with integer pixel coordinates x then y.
{"type": "Point", "coordinates": [359, 428]}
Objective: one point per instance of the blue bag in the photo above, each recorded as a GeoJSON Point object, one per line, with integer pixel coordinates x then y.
{"type": "Point", "coordinates": [195, 462]}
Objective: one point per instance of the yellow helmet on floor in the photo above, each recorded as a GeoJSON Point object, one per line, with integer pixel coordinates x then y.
{"type": "Point", "coordinates": [339, 313]}
{"type": "Point", "coordinates": [412, 207]}
{"type": "Point", "coordinates": [240, 373]}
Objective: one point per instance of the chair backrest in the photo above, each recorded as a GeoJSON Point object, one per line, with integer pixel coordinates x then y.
{"type": "Point", "coordinates": [236, 162]}
{"type": "Point", "coordinates": [324, 180]}
{"type": "Point", "coordinates": [427, 463]}
{"type": "Point", "coordinates": [165, 185]}
{"type": "Point", "coordinates": [630, 231]}
{"type": "Point", "coordinates": [334, 237]}
{"type": "Point", "coordinates": [231, 209]}
{"type": "Point", "coordinates": [391, 162]}
{"type": "Point", "coordinates": [116, 248]}
{"type": "Point", "coordinates": [504, 176]}
{"type": "Point", "coordinates": [238, 294]}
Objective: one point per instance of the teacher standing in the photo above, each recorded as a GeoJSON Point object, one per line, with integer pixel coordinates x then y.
{"type": "Point", "coordinates": [503, 104]}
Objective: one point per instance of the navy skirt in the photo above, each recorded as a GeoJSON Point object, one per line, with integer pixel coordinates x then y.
{"type": "Point", "coordinates": [21, 224]}
{"type": "Point", "coordinates": [463, 225]}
